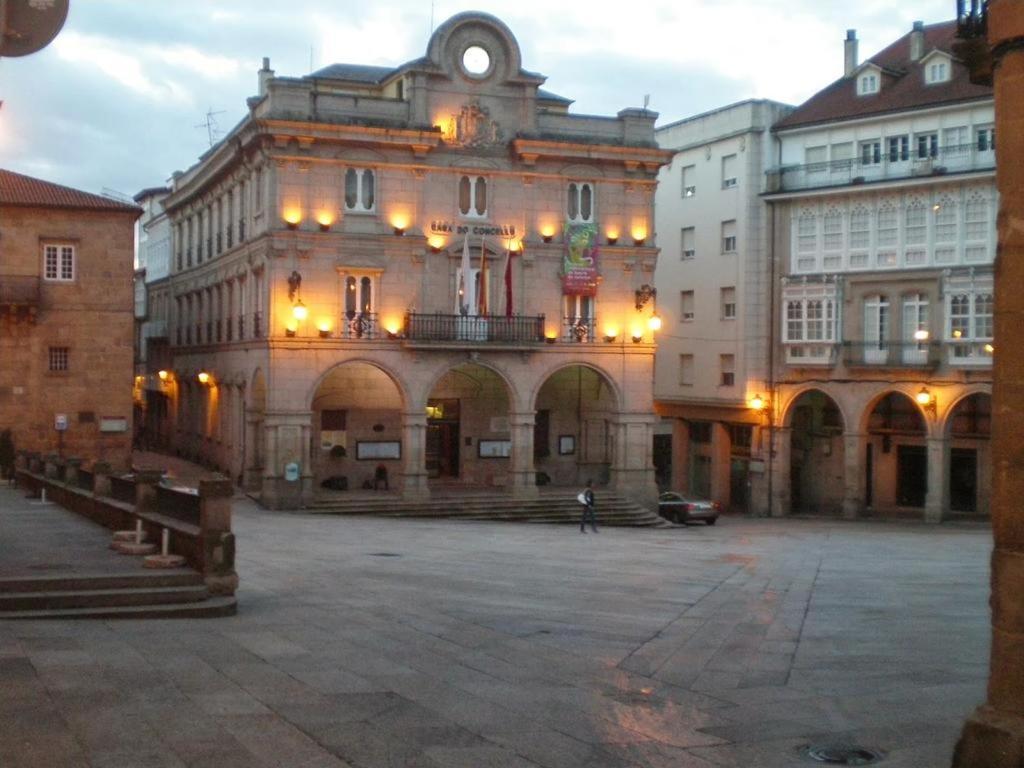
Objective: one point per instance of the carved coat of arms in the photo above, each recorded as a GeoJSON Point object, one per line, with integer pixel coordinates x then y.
{"type": "Point", "coordinates": [473, 128]}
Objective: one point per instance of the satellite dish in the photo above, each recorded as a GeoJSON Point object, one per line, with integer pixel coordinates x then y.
{"type": "Point", "coordinates": [27, 26]}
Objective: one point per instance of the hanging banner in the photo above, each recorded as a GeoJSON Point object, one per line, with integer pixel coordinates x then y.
{"type": "Point", "coordinates": [579, 265]}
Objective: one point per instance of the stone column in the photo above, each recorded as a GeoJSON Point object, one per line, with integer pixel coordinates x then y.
{"type": "Point", "coordinates": [936, 504]}
{"type": "Point", "coordinates": [101, 478]}
{"type": "Point", "coordinates": [993, 736]}
{"type": "Point", "coordinates": [218, 542]}
{"type": "Point", "coordinates": [721, 452]}
{"type": "Point", "coordinates": [71, 475]}
{"type": "Point", "coordinates": [781, 450]}
{"type": "Point", "coordinates": [146, 482]}
{"type": "Point", "coordinates": [632, 470]}
{"type": "Point", "coordinates": [308, 479]}
{"type": "Point", "coordinates": [252, 476]}
{"type": "Point", "coordinates": [854, 448]}
{"type": "Point", "coordinates": [523, 474]}
{"type": "Point", "coordinates": [680, 455]}
{"type": "Point", "coordinates": [414, 453]}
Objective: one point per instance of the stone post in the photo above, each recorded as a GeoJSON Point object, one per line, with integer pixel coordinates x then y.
{"type": "Point", "coordinates": [71, 471]}
{"type": "Point", "coordinates": [414, 455]}
{"type": "Point", "coordinates": [524, 474]}
{"type": "Point", "coordinates": [993, 736]}
{"type": "Point", "coordinates": [50, 466]}
{"type": "Point", "coordinates": [217, 540]}
{"type": "Point", "coordinates": [680, 455]}
{"type": "Point", "coordinates": [35, 463]}
{"type": "Point", "coordinates": [936, 504]}
{"type": "Point", "coordinates": [146, 481]}
{"type": "Point", "coordinates": [854, 448]}
{"type": "Point", "coordinates": [101, 471]}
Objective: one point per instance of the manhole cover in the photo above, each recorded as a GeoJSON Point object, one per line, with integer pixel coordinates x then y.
{"type": "Point", "coordinates": [384, 554]}
{"type": "Point", "coordinates": [842, 754]}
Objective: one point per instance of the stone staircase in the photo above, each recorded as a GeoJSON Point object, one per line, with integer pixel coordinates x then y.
{"type": "Point", "coordinates": [177, 595]}
{"type": "Point", "coordinates": [548, 507]}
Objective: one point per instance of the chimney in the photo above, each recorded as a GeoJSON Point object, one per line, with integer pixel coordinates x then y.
{"type": "Point", "coordinates": [850, 52]}
{"type": "Point", "coordinates": [917, 41]}
{"type": "Point", "coordinates": [265, 75]}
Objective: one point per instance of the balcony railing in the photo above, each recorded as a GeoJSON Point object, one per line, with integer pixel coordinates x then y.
{"type": "Point", "coordinates": [359, 325]}
{"type": "Point", "coordinates": [257, 326]}
{"type": "Point", "coordinates": [951, 159]}
{"type": "Point", "coordinates": [578, 329]}
{"type": "Point", "coordinates": [19, 290]}
{"type": "Point", "coordinates": [892, 354]}
{"type": "Point", "coordinates": [241, 327]}
{"type": "Point", "coordinates": [472, 328]}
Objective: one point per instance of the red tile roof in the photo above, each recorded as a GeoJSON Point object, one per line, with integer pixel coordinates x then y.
{"type": "Point", "coordinates": [16, 189]}
{"type": "Point", "coordinates": [906, 89]}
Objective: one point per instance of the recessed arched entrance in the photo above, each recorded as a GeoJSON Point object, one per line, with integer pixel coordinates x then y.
{"type": "Point", "coordinates": [817, 454]}
{"type": "Point", "coordinates": [970, 464]}
{"type": "Point", "coordinates": [469, 440]}
{"type": "Point", "coordinates": [573, 435]}
{"type": "Point", "coordinates": [357, 429]}
{"type": "Point", "coordinates": [896, 463]}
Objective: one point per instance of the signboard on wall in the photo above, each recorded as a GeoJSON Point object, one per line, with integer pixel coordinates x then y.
{"type": "Point", "coordinates": [579, 264]}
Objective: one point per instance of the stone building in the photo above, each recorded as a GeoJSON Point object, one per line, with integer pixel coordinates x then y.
{"type": "Point", "coordinates": [66, 319]}
{"type": "Point", "coordinates": [884, 237]}
{"type": "Point", "coordinates": [713, 280]}
{"type": "Point", "coordinates": [432, 272]}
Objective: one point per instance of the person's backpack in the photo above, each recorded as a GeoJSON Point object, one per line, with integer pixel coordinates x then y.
{"type": "Point", "coordinates": [582, 498]}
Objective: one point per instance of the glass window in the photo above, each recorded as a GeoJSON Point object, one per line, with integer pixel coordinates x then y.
{"type": "Point", "coordinates": [473, 196]}
{"type": "Point", "coordinates": [580, 204]}
{"type": "Point", "coordinates": [728, 303]}
{"type": "Point", "coordinates": [727, 365]}
{"type": "Point", "coordinates": [58, 358]}
{"type": "Point", "coordinates": [686, 306]}
{"type": "Point", "coordinates": [899, 148]}
{"type": "Point", "coordinates": [686, 370]}
{"type": "Point", "coordinates": [927, 145]}
{"type": "Point", "coordinates": [59, 263]}
{"type": "Point", "coordinates": [870, 152]}
{"type": "Point", "coordinates": [689, 180]}
{"type": "Point", "coordinates": [728, 237]}
{"type": "Point", "coordinates": [359, 190]}
{"type": "Point", "coordinates": [729, 166]}
{"type": "Point", "coordinates": [688, 238]}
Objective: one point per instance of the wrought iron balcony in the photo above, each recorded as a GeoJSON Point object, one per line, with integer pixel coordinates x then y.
{"type": "Point", "coordinates": [892, 354]}
{"type": "Point", "coordinates": [19, 295]}
{"type": "Point", "coordinates": [957, 158]}
{"type": "Point", "coordinates": [472, 328]}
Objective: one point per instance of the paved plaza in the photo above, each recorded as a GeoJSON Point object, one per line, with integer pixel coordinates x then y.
{"type": "Point", "coordinates": [380, 643]}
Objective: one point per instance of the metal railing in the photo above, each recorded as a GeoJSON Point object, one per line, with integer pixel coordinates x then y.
{"type": "Point", "coordinates": [473, 328]}
{"type": "Point", "coordinates": [948, 159]}
{"type": "Point", "coordinates": [241, 327]}
{"type": "Point", "coordinates": [892, 354]}
{"type": "Point", "coordinates": [578, 329]}
{"type": "Point", "coordinates": [359, 325]}
{"type": "Point", "coordinates": [19, 289]}
{"type": "Point", "coordinates": [257, 326]}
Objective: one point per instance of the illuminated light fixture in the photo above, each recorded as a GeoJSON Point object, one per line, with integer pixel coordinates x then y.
{"type": "Point", "coordinates": [299, 311]}
{"type": "Point", "coordinates": [758, 403]}
{"type": "Point", "coordinates": [324, 219]}
{"type": "Point", "coordinates": [957, 333]}
{"type": "Point", "coordinates": [515, 246]}
{"type": "Point", "coordinates": [921, 335]}
{"type": "Point", "coordinates": [989, 348]}
{"type": "Point", "coordinates": [292, 217]}
{"type": "Point", "coordinates": [547, 233]}
{"type": "Point", "coordinates": [324, 328]}
{"type": "Point", "coordinates": [436, 243]}
{"type": "Point", "coordinates": [290, 328]}
{"type": "Point", "coordinates": [204, 377]}
{"type": "Point", "coordinates": [937, 207]}
{"type": "Point", "coordinates": [654, 323]}
{"type": "Point", "coordinates": [637, 336]}
{"type": "Point", "coordinates": [639, 236]}
{"type": "Point", "coordinates": [399, 224]}
{"type": "Point", "coordinates": [393, 330]}
{"type": "Point", "coordinates": [611, 334]}
{"type": "Point", "coordinates": [399, 231]}
{"type": "Point", "coordinates": [550, 337]}
{"type": "Point", "coordinates": [612, 236]}
{"type": "Point", "coordinates": [162, 375]}
{"type": "Point", "coordinates": [926, 399]}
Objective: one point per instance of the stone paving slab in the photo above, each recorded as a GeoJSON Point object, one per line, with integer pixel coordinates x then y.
{"type": "Point", "coordinates": [495, 644]}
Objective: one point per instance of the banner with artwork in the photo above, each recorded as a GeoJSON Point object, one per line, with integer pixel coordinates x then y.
{"type": "Point", "coordinates": [579, 264]}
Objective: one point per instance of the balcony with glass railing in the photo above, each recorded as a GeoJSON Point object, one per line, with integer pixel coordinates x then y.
{"type": "Point", "coordinates": [959, 158]}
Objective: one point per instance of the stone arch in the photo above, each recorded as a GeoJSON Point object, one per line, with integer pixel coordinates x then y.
{"type": "Point", "coordinates": [817, 452]}
{"type": "Point", "coordinates": [397, 380]}
{"type": "Point", "coordinates": [786, 409]}
{"type": "Point", "coordinates": [882, 394]}
{"type": "Point", "coordinates": [543, 377]}
{"type": "Point", "coordinates": [966, 432]}
{"type": "Point", "coordinates": [946, 425]}
{"type": "Point", "coordinates": [507, 379]}
{"type": "Point", "coordinates": [896, 431]}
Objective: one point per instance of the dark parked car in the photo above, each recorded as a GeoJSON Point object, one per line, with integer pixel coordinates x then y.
{"type": "Point", "coordinates": [680, 508]}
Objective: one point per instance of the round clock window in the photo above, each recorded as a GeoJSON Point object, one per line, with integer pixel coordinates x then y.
{"type": "Point", "coordinates": [476, 61]}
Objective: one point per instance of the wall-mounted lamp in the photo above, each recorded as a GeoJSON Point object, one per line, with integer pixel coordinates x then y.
{"type": "Point", "coordinates": [163, 375]}
{"type": "Point", "coordinates": [299, 311]}
{"type": "Point", "coordinates": [921, 335]}
{"type": "Point", "coordinates": [324, 328]}
{"type": "Point", "coordinates": [611, 334]}
{"type": "Point", "coordinates": [292, 217]}
{"type": "Point", "coordinates": [436, 243]}
{"type": "Point", "coordinates": [612, 237]}
{"type": "Point", "coordinates": [644, 294]}
{"type": "Point", "coordinates": [547, 233]}
{"type": "Point", "coordinates": [639, 236]}
{"type": "Point", "coordinates": [550, 337]}
{"type": "Point", "coordinates": [399, 231]}
{"type": "Point", "coordinates": [203, 377]}
{"type": "Point", "coordinates": [926, 400]}
{"type": "Point", "coordinates": [637, 337]}
{"type": "Point", "coordinates": [990, 348]}
{"type": "Point", "coordinates": [654, 323]}
{"type": "Point", "coordinates": [759, 403]}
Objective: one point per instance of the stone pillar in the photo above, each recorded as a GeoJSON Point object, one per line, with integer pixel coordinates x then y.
{"type": "Point", "coordinates": [71, 474]}
{"type": "Point", "coordinates": [523, 474]}
{"type": "Point", "coordinates": [993, 736]}
{"type": "Point", "coordinates": [284, 445]}
{"type": "Point", "coordinates": [414, 453]}
{"type": "Point", "coordinates": [632, 470]}
{"type": "Point", "coordinates": [251, 471]}
{"type": "Point", "coordinates": [308, 479]}
{"type": "Point", "coordinates": [50, 466]}
{"type": "Point", "coordinates": [854, 448]}
{"type": "Point", "coordinates": [146, 482]}
{"type": "Point", "coordinates": [781, 450]}
{"type": "Point", "coordinates": [936, 504]}
{"type": "Point", "coordinates": [101, 478]}
{"type": "Point", "coordinates": [680, 455]}
{"type": "Point", "coordinates": [721, 452]}
{"type": "Point", "coordinates": [218, 542]}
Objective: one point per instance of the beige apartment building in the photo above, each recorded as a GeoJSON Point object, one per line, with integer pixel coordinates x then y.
{"type": "Point", "coordinates": [432, 274]}
{"type": "Point", "coordinates": [885, 205]}
{"type": "Point", "coordinates": [66, 320]}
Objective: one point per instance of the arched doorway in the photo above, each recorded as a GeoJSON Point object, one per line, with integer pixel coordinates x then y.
{"type": "Point", "coordinates": [357, 429]}
{"type": "Point", "coordinates": [573, 437]}
{"type": "Point", "coordinates": [817, 454]}
{"type": "Point", "coordinates": [969, 429]}
{"type": "Point", "coordinates": [896, 465]}
{"type": "Point", "coordinates": [469, 439]}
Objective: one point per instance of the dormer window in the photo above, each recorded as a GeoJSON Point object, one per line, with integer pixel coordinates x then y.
{"type": "Point", "coordinates": [937, 69]}
{"type": "Point", "coordinates": [867, 83]}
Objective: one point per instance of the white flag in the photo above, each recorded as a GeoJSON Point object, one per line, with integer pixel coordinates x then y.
{"type": "Point", "coordinates": [464, 281]}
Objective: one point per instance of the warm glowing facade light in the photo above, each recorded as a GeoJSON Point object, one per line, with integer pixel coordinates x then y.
{"type": "Point", "coordinates": [921, 335]}
{"type": "Point", "coordinates": [163, 375]}
{"type": "Point", "coordinates": [299, 311]}
{"type": "Point", "coordinates": [204, 377]}
{"type": "Point", "coordinates": [654, 323]}
{"type": "Point", "coordinates": [325, 219]}
{"type": "Point", "coordinates": [758, 403]}
{"type": "Point", "coordinates": [292, 217]}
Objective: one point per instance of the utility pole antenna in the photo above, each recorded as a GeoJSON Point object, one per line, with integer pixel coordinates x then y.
{"type": "Point", "coordinates": [210, 124]}
{"type": "Point", "coordinates": [647, 100]}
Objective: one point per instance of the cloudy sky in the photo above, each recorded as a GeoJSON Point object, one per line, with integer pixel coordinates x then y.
{"type": "Point", "coordinates": [118, 100]}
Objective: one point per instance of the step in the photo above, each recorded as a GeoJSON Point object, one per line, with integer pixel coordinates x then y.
{"type": "Point", "coordinates": [78, 582]}
{"type": "Point", "coordinates": [100, 598]}
{"type": "Point", "coordinates": [212, 607]}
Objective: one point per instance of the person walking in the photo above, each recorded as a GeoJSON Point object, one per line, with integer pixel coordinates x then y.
{"type": "Point", "coordinates": [587, 498]}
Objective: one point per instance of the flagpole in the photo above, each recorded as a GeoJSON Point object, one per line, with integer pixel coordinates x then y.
{"type": "Point", "coordinates": [464, 281]}
{"type": "Point", "coordinates": [483, 278]}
